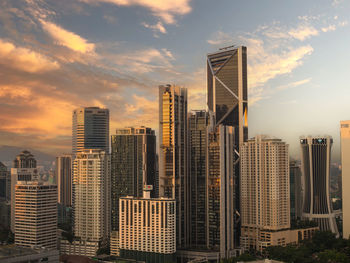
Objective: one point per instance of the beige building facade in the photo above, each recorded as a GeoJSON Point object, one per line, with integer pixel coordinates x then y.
{"type": "Point", "coordinates": [345, 162]}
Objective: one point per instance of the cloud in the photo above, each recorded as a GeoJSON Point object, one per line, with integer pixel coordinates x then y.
{"type": "Point", "coordinates": [25, 59]}
{"type": "Point", "coordinates": [164, 9]}
{"type": "Point", "coordinates": [294, 84]}
{"type": "Point", "coordinates": [68, 39]}
{"type": "Point", "coordinates": [328, 28]}
{"type": "Point", "coordinates": [220, 38]}
{"type": "Point", "coordinates": [156, 28]}
{"type": "Point", "coordinates": [110, 19]}
{"type": "Point", "coordinates": [303, 32]}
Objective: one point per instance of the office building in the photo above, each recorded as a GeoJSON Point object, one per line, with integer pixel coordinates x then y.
{"type": "Point", "coordinates": [133, 165]}
{"type": "Point", "coordinates": [147, 228]}
{"type": "Point", "coordinates": [24, 170]}
{"type": "Point", "coordinates": [173, 169]}
{"type": "Point", "coordinates": [265, 203]}
{"type": "Point", "coordinates": [197, 141]}
{"type": "Point", "coordinates": [5, 183]}
{"type": "Point", "coordinates": [64, 179]}
{"type": "Point", "coordinates": [220, 191]}
{"type": "Point", "coordinates": [227, 101]}
{"type": "Point", "coordinates": [35, 214]}
{"type": "Point", "coordinates": [316, 159]}
{"type": "Point", "coordinates": [345, 175]}
{"type": "Point", "coordinates": [296, 198]}
{"type": "Point", "coordinates": [91, 200]}
{"type": "Point", "coordinates": [90, 129]}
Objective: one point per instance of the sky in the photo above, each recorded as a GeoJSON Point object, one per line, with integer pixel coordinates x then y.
{"type": "Point", "coordinates": [56, 56]}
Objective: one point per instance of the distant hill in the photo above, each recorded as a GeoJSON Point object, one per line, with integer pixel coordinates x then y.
{"type": "Point", "coordinates": [8, 154]}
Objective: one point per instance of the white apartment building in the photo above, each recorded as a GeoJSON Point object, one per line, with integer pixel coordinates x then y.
{"type": "Point", "coordinates": [147, 225]}
{"type": "Point", "coordinates": [265, 201]}
{"type": "Point", "coordinates": [91, 198]}
{"type": "Point", "coordinates": [35, 214]}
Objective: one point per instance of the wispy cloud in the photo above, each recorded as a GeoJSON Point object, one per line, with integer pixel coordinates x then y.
{"type": "Point", "coordinates": [220, 38]}
{"type": "Point", "coordinates": [25, 59]}
{"type": "Point", "coordinates": [164, 9]}
{"type": "Point", "coordinates": [68, 39]}
{"type": "Point", "coordinates": [159, 27]}
{"type": "Point", "coordinates": [294, 84]}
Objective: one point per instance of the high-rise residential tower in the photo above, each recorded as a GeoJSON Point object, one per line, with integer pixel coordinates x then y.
{"type": "Point", "coordinates": [35, 214]}
{"type": "Point", "coordinates": [173, 170]}
{"type": "Point", "coordinates": [24, 169]}
{"type": "Point", "coordinates": [90, 129]}
{"type": "Point", "coordinates": [227, 99]}
{"type": "Point", "coordinates": [91, 199]}
{"type": "Point", "coordinates": [296, 198]}
{"type": "Point", "coordinates": [64, 179]}
{"type": "Point", "coordinates": [345, 164]}
{"type": "Point", "coordinates": [197, 141]}
{"type": "Point", "coordinates": [316, 158]}
{"type": "Point", "coordinates": [264, 189]}
{"type": "Point", "coordinates": [5, 183]}
{"type": "Point", "coordinates": [147, 228]}
{"type": "Point", "coordinates": [133, 165]}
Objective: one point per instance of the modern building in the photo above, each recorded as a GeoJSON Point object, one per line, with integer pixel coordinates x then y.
{"type": "Point", "coordinates": [173, 168]}
{"type": "Point", "coordinates": [345, 164]}
{"type": "Point", "coordinates": [296, 198]}
{"type": "Point", "coordinates": [91, 199]}
{"type": "Point", "coordinates": [35, 214]}
{"type": "Point", "coordinates": [133, 165]}
{"type": "Point", "coordinates": [24, 169]}
{"type": "Point", "coordinates": [64, 179]}
{"type": "Point", "coordinates": [265, 203]}
{"type": "Point", "coordinates": [197, 141]}
{"type": "Point", "coordinates": [5, 183]}
{"type": "Point", "coordinates": [220, 191]}
{"type": "Point", "coordinates": [90, 129]}
{"type": "Point", "coordinates": [316, 159]}
{"type": "Point", "coordinates": [147, 228]}
{"type": "Point", "coordinates": [227, 101]}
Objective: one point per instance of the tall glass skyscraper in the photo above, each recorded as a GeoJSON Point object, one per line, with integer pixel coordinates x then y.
{"type": "Point", "coordinates": [173, 170]}
{"type": "Point", "coordinates": [295, 190]}
{"type": "Point", "coordinates": [316, 159]}
{"type": "Point", "coordinates": [227, 99]}
{"type": "Point", "coordinates": [197, 126]}
{"type": "Point", "coordinates": [345, 164]}
{"type": "Point", "coordinates": [90, 129]}
{"type": "Point", "coordinates": [133, 165]}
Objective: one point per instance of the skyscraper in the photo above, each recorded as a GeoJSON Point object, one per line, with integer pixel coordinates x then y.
{"type": "Point", "coordinates": [5, 183]}
{"type": "Point", "coordinates": [35, 214]}
{"type": "Point", "coordinates": [296, 198]}
{"type": "Point", "coordinates": [345, 172]}
{"type": "Point", "coordinates": [173, 155]}
{"type": "Point", "coordinates": [133, 165]}
{"type": "Point", "coordinates": [264, 189]}
{"type": "Point", "coordinates": [220, 191]}
{"type": "Point", "coordinates": [90, 129]}
{"type": "Point", "coordinates": [227, 99]}
{"type": "Point", "coordinates": [316, 158]}
{"type": "Point", "coordinates": [24, 170]}
{"type": "Point", "coordinates": [64, 179]}
{"type": "Point", "coordinates": [91, 199]}
{"type": "Point", "coordinates": [197, 141]}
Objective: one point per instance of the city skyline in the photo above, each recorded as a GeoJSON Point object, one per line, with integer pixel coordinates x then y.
{"type": "Point", "coordinates": [59, 56]}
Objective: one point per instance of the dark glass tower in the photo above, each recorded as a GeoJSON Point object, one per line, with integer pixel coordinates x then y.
{"type": "Point", "coordinates": [227, 99]}
{"type": "Point", "coordinates": [197, 126]}
{"type": "Point", "coordinates": [90, 129]}
{"type": "Point", "coordinates": [316, 158]}
{"type": "Point", "coordinates": [173, 170]}
{"type": "Point", "coordinates": [133, 165]}
{"type": "Point", "coordinates": [295, 190]}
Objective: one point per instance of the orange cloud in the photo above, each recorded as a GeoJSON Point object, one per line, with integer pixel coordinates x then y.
{"type": "Point", "coordinates": [165, 9]}
{"type": "Point", "coordinates": [25, 59]}
{"type": "Point", "coordinates": [68, 39]}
